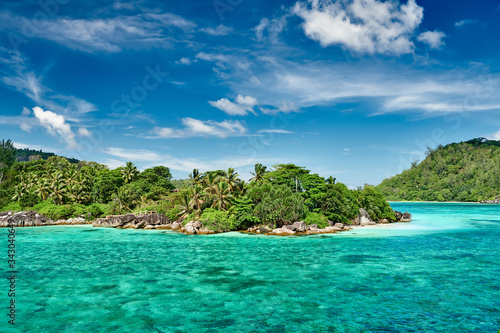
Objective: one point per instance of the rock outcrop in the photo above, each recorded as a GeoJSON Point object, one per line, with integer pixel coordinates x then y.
{"type": "Point", "coordinates": [196, 228]}
{"type": "Point", "coordinates": [298, 228]}
{"type": "Point", "coordinates": [406, 217]}
{"type": "Point", "coordinates": [363, 218]}
{"type": "Point", "coordinates": [34, 219]}
{"type": "Point", "coordinates": [146, 221]}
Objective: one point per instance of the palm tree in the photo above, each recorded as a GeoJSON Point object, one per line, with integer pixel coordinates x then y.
{"type": "Point", "coordinates": [130, 172]}
{"type": "Point", "coordinates": [222, 196]}
{"type": "Point", "coordinates": [231, 177]}
{"type": "Point", "coordinates": [19, 192]}
{"type": "Point", "coordinates": [196, 197]}
{"type": "Point", "coordinates": [258, 175]}
{"type": "Point", "coordinates": [210, 180]}
{"type": "Point", "coordinates": [58, 192]}
{"type": "Point", "coordinates": [241, 188]}
{"type": "Point", "coordinates": [331, 180]}
{"type": "Point", "coordinates": [185, 206]}
{"type": "Point", "coordinates": [195, 176]}
{"type": "Point", "coordinates": [42, 188]}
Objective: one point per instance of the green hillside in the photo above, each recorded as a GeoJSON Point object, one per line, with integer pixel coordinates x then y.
{"type": "Point", "coordinates": [465, 171]}
{"type": "Point", "coordinates": [24, 155]}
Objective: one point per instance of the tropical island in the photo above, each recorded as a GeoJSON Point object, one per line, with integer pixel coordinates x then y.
{"type": "Point", "coordinates": [286, 199]}
{"type": "Point", "coordinates": [463, 172]}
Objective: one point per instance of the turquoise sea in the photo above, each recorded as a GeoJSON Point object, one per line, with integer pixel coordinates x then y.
{"type": "Point", "coordinates": [439, 273]}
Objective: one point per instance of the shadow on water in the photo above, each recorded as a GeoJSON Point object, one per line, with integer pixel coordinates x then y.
{"type": "Point", "coordinates": [359, 258]}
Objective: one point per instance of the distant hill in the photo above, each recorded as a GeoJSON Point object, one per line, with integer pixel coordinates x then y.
{"type": "Point", "coordinates": [465, 171]}
{"type": "Point", "coordinates": [24, 155]}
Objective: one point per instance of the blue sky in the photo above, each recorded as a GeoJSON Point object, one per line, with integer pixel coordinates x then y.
{"type": "Point", "coordinates": [356, 89]}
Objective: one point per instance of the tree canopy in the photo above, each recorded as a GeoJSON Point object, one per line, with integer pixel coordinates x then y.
{"type": "Point", "coordinates": [282, 194]}
{"type": "Point", "coordinates": [465, 171]}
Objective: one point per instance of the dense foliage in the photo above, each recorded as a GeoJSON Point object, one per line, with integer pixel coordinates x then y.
{"type": "Point", "coordinates": [220, 199]}
{"type": "Point", "coordinates": [466, 171]}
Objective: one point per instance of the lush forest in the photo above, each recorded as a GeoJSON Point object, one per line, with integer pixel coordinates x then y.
{"type": "Point", "coordinates": [27, 154]}
{"type": "Point", "coordinates": [465, 171]}
{"type": "Point", "coordinates": [283, 194]}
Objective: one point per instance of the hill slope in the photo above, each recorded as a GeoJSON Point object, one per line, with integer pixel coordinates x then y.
{"type": "Point", "coordinates": [23, 155]}
{"type": "Point", "coordinates": [465, 171]}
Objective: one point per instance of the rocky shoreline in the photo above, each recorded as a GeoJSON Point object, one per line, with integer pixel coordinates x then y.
{"type": "Point", "coordinates": [160, 221]}
{"type": "Point", "coordinates": [34, 219]}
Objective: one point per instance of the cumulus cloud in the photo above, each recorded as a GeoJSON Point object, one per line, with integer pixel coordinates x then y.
{"type": "Point", "coordinates": [432, 38]}
{"type": "Point", "coordinates": [240, 107]}
{"type": "Point", "coordinates": [495, 136]}
{"type": "Point", "coordinates": [363, 26]}
{"type": "Point", "coordinates": [221, 30]}
{"type": "Point", "coordinates": [184, 61]}
{"type": "Point", "coordinates": [198, 128]}
{"type": "Point", "coordinates": [103, 35]}
{"type": "Point", "coordinates": [56, 125]}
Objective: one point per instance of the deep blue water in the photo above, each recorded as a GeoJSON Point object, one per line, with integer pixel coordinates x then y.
{"type": "Point", "coordinates": [439, 273]}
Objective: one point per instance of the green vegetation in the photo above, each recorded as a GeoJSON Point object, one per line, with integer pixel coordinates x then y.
{"type": "Point", "coordinates": [25, 155]}
{"type": "Point", "coordinates": [465, 171]}
{"type": "Point", "coordinates": [220, 199]}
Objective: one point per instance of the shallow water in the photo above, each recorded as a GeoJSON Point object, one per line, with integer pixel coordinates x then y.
{"type": "Point", "coordinates": [439, 273]}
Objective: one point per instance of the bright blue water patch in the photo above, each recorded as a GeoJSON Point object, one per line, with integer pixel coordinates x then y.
{"type": "Point", "coordinates": [439, 273]}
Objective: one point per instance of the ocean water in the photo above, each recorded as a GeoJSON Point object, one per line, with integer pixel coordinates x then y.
{"type": "Point", "coordinates": [439, 273]}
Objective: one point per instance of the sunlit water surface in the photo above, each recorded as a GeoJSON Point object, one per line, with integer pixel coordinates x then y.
{"type": "Point", "coordinates": [439, 273]}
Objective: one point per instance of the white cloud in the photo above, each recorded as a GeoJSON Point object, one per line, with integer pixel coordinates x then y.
{"type": "Point", "coordinates": [363, 26]}
{"type": "Point", "coordinates": [221, 30]}
{"type": "Point", "coordinates": [82, 131]}
{"type": "Point", "coordinates": [274, 27]}
{"type": "Point", "coordinates": [25, 127]}
{"type": "Point", "coordinates": [184, 61]}
{"type": "Point", "coordinates": [495, 136]}
{"type": "Point", "coordinates": [133, 154]}
{"type": "Point", "coordinates": [18, 76]}
{"type": "Point", "coordinates": [277, 131]}
{"type": "Point", "coordinates": [241, 106]}
{"type": "Point", "coordinates": [225, 63]}
{"type": "Point", "coordinates": [113, 164]}
{"type": "Point", "coordinates": [20, 145]}
{"type": "Point", "coordinates": [284, 108]}
{"type": "Point", "coordinates": [462, 23]}
{"type": "Point", "coordinates": [56, 125]}
{"type": "Point", "coordinates": [432, 38]}
{"type": "Point", "coordinates": [388, 87]}
{"type": "Point", "coordinates": [103, 35]}
{"type": "Point", "coordinates": [199, 128]}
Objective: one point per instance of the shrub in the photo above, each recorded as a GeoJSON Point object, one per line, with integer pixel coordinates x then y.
{"type": "Point", "coordinates": [374, 203]}
{"type": "Point", "coordinates": [173, 214]}
{"type": "Point", "coordinates": [29, 200]}
{"type": "Point", "coordinates": [55, 212]}
{"type": "Point", "coordinates": [339, 218]}
{"type": "Point", "coordinates": [13, 206]}
{"type": "Point", "coordinates": [218, 220]}
{"type": "Point", "coordinates": [280, 206]}
{"type": "Point", "coordinates": [315, 218]}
